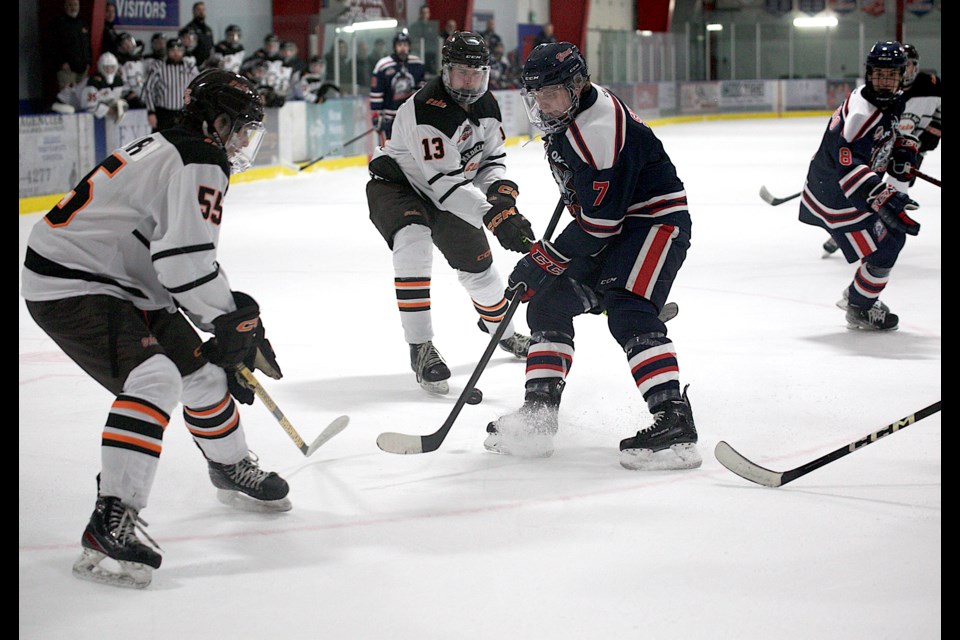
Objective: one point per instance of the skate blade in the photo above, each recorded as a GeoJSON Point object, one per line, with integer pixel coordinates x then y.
{"type": "Point", "coordinates": [243, 502]}
{"type": "Point", "coordinates": [441, 388]}
{"type": "Point", "coordinates": [854, 326]}
{"type": "Point", "coordinates": [129, 575]}
{"type": "Point", "coordinates": [677, 457]}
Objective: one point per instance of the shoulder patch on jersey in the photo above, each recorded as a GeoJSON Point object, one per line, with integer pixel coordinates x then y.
{"type": "Point", "coordinates": [860, 116]}
{"type": "Point", "coordinates": [195, 149]}
{"type": "Point", "coordinates": [599, 132]}
{"type": "Point", "coordinates": [432, 106]}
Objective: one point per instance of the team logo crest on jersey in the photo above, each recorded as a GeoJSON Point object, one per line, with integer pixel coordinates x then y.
{"type": "Point", "coordinates": [434, 102]}
{"type": "Point", "coordinates": [465, 135]}
{"type": "Point", "coordinates": [879, 230]}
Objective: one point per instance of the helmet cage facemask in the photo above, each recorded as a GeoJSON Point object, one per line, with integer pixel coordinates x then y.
{"type": "Point", "coordinates": [241, 142]}
{"type": "Point", "coordinates": [554, 123]}
{"type": "Point", "coordinates": [465, 95]}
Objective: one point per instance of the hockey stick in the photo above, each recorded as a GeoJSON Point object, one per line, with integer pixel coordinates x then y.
{"type": "Point", "coordinates": [734, 461]}
{"type": "Point", "coordinates": [402, 443]}
{"type": "Point", "coordinates": [929, 179]}
{"type": "Point", "coordinates": [332, 429]}
{"type": "Point", "coordinates": [771, 199]}
{"type": "Point", "coordinates": [338, 148]}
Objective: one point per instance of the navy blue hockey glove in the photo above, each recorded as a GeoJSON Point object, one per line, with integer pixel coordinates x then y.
{"type": "Point", "coordinates": [903, 158]}
{"type": "Point", "coordinates": [892, 206]}
{"type": "Point", "coordinates": [512, 230]}
{"type": "Point", "coordinates": [537, 270]}
{"type": "Point", "coordinates": [239, 338]}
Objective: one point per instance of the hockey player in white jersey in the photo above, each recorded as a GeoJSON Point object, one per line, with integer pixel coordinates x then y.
{"type": "Point", "coordinates": [115, 274]}
{"type": "Point", "coordinates": [438, 181]}
{"type": "Point", "coordinates": [103, 93]}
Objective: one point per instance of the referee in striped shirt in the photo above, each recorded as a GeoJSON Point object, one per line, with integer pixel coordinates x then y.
{"type": "Point", "coordinates": [164, 86]}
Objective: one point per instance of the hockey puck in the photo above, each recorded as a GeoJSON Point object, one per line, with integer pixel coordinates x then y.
{"type": "Point", "coordinates": [475, 396]}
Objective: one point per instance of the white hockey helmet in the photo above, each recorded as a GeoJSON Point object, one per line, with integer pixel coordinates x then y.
{"type": "Point", "coordinates": [108, 66]}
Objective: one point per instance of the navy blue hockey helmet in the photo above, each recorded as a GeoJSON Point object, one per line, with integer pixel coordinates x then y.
{"type": "Point", "coordinates": [465, 58]}
{"type": "Point", "coordinates": [218, 92]}
{"type": "Point", "coordinates": [553, 77]}
{"type": "Point", "coordinates": [402, 38]}
{"type": "Point", "coordinates": [884, 55]}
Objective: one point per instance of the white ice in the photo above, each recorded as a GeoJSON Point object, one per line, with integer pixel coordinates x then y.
{"type": "Point", "coordinates": [462, 544]}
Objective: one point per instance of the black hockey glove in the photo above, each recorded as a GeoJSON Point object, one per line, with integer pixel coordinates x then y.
{"type": "Point", "coordinates": [930, 137]}
{"type": "Point", "coordinates": [381, 120]}
{"type": "Point", "coordinates": [504, 221]}
{"type": "Point", "coordinates": [892, 206]}
{"type": "Point", "coordinates": [239, 338]}
{"type": "Point", "coordinates": [537, 270]}
{"type": "Point", "coordinates": [903, 158]}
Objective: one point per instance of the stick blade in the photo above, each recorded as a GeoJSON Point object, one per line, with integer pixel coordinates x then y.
{"type": "Point", "coordinates": [669, 312]}
{"type": "Point", "coordinates": [735, 462]}
{"type": "Point", "coordinates": [400, 443]}
{"type": "Point", "coordinates": [332, 429]}
{"type": "Point", "coordinates": [766, 196]}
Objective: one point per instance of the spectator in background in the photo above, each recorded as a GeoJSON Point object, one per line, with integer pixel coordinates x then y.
{"type": "Point", "coordinates": [231, 49]}
{"type": "Point", "coordinates": [164, 86]}
{"type": "Point", "coordinates": [257, 71]}
{"type": "Point", "coordinates": [204, 44]}
{"type": "Point", "coordinates": [110, 41]}
{"type": "Point", "coordinates": [546, 36]}
{"type": "Point", "coordinates": [189, 38]}
{"type": "Point", "coordinates": [501, 73]}
{"type": "Point", "coordinates": [345, 67]}
{"type": "Point", "coordinates": [70, 45]}
{"type": "Point", "coordinates": [490, 35]}
{"type": "Point", "coordinates": [132, 69]}
{"type": "Point", "coordinates": [269, 53]}
{"type": "Point", "coordinates": [313, 85]}
{"type": "Point", "coordinates": [364, 69]}
{"type": "Point", "coordinates": [293, 66]}
{"type": "Point", "coordinates": [158, 51]}
{"type": "Point", "coordinates": [424, 40]}
{"type": "Point", "coordinates": [449, 28]}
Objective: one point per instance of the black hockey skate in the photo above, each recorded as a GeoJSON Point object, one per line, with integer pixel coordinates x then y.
{"type": "Point", "coordinates": [669, 443]}
{"type": "Point", "coordinates": [246, 486]}
{"type": "Point", "coordinates": [112, 534]}
{"type": "Point", "coordinates": [529, 431]}
{"type": "Point", "coordinates": [874, 318]}
{"type": "Point", "coordinates": [432, 372]}
{"type": "Point", "coordinates": [517, 344]}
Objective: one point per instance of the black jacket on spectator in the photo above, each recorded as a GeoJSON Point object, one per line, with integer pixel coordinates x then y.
{"type": "Point", "coordinates": [70, 42]}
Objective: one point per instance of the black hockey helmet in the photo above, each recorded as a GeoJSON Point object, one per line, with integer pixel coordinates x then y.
{"type": "Point", "coordinates": [913, 64]}
{"type": "Point", "coordinates": [554, 64]}
{"type": "Point", "coordinates": [884, 55]}
{"type": "Point", "coordinates": [465, 59]}
{"type": "Point", "coordinates": [218, 92]}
